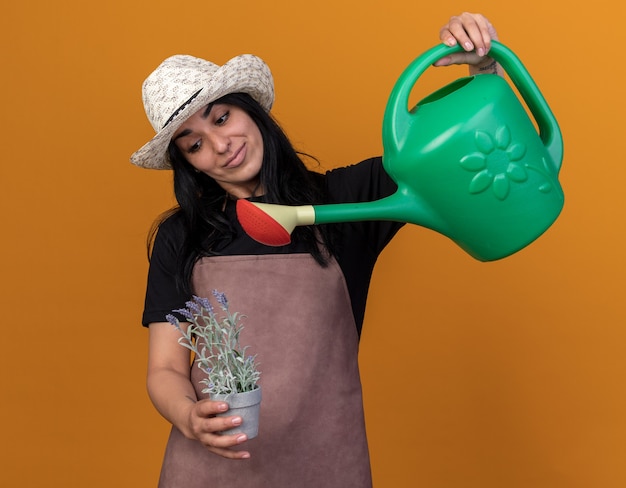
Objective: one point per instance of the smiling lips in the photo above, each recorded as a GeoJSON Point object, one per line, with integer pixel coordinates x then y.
{"type": "Point", "coordinates": [236, 159]}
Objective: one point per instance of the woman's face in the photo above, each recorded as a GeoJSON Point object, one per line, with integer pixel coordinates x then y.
{"type": "Point", "coordinates": [223, 142]}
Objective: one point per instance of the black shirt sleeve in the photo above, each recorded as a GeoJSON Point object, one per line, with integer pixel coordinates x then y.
{"type": "Point", "coordinates": [162, 294]}
{"type": "Point", "coordinates": [365, 182]}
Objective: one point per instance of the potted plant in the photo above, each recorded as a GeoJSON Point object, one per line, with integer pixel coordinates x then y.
{"type": "Point", "coordinates": [231, 375]}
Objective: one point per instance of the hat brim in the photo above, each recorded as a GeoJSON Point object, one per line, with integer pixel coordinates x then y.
{"type": "Point", "coordinates": [253, 77]}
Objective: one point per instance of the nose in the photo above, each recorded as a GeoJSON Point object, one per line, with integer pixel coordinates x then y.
{"type": "Point", "coordinates": [220, 142]}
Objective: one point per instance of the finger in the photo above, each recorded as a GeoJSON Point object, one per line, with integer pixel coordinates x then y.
{"type": "Point", "coordinates": [220, 424]}
{"type": "Point", "coordinates": [457, 29]}
{"type": "Point", "coordinates": [223, 445]}
{"type": "Point", "coordinates": [447, 37]}
{"type": "Point", "coordinates": [481, 34]}
{"type": "Point", "coordinates": [221, 441]}
{"type": "Point", "coordinates": [229, 453]}
{"type": "Point", "coordinates": [459, 58]}
{"type": "Point", "coordinates": [206, 408]}
{"type": "Point", "coordinates": [471, 31]}
{"type": "Point", "coordinates": [206, 419]}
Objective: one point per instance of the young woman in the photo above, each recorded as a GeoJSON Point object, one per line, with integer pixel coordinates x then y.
{"type": "Point", "coordinates": [305, 301]}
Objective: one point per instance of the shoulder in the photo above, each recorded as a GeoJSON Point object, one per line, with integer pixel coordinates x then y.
{"type": "Point", "coordinates": [169, 236]}
{"type": "Point", "coordinates": [364, 168]}
{"type": "Point", "coordinates": [366, 180]}
{"type": "Point", "coordinates": [169, 226]}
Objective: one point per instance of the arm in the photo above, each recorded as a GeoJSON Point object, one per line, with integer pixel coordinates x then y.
{"type": "Point", "coordinates": [474, 32]}
{"type": "Point", "coordinates": [173, 395]}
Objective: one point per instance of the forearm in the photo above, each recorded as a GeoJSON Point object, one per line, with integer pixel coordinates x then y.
{"type": "Point", "coordinates": [173, 395]}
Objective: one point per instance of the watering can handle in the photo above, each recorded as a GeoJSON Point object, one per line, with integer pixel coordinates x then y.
{"type": "Point", "coordinates": [397, 117]}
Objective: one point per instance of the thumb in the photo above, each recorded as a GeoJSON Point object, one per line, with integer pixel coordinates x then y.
{"type": "Point", "coordinates": [459, 58]}
{"type": "Point", "coordinates": [209, 408]}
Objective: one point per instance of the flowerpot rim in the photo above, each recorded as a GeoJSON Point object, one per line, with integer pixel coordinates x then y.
{"type": "Point", "coordinates": [239, 399]}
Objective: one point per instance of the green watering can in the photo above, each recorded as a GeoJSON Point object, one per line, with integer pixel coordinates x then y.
{"type": "Point", "coordinates": [468, 162]}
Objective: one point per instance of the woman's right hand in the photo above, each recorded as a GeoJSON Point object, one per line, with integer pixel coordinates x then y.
{"type": "Point", "coordinates": [206, 427]}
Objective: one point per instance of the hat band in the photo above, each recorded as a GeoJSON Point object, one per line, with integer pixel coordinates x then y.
{"type": "Point", "coordinates": [181, 108]}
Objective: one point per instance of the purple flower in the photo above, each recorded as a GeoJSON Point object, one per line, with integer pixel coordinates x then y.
{"type": "Point", "coordinates": [185, 313]}
{"type": "Point", "coordinates": [221, 298]}
{"type": "Point", "coordinates": [204, 303]}
{"type": "Point", "coordinates": [172, 320]}
{"type": "Point", "coordinates": [194, 307]}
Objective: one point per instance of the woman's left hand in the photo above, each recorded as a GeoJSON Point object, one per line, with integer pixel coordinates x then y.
{"type": "Point", "coordinates": [474, 33]}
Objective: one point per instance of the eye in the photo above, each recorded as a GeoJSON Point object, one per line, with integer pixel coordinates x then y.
{"type": "Point", "coordinates": [194, 148]}
{"type": "Point", "coordinates": [222, 119]}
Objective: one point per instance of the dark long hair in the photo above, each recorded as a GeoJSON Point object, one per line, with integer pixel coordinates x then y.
{"type": "Point", "coordinates": [283, 176]}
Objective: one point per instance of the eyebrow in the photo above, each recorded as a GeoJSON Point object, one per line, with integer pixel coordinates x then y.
{"type": "Point", "coordinates": [208, 110]}
{"type": "Point", "coordinates": [205, 114]}
{"type": "Point", "coordinates": [184, 133]}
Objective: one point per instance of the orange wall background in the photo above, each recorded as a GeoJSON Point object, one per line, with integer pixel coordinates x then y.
{"type": "Point", "coordinates": [485, 375]}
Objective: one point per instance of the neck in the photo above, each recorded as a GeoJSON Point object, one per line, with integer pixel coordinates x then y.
{"type": "Point", "coordinates": [245, 192]}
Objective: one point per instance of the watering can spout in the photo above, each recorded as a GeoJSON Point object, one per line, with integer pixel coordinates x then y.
{"type": "Point", "coordinates": [401, 206]}
{"type": "Point", "coordinates": [272, 224]}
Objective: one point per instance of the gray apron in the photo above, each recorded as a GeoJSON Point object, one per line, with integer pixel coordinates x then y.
{"type": "Point", "coordinates": [300, 325]}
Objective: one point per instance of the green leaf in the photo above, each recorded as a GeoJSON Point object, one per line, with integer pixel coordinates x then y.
{"type": "Point", "coordinates": [517, 173]}
{"type": "Point", "coordinates": [503, 137]}
{"type": "Point", "coordinates": [484, 142]}
{"type": "Point", "coordinates": [481, 182]}
{"type": "Point", "coordinates": [501, 186]}
{"type": "Point", "coordinates": [474, 162]}
{"type": "Point", "coordinates": [545, 188]}
{"type": "Point", "coordinates": [516, 152]}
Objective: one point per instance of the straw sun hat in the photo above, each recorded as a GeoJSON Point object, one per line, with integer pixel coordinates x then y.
{"type": "Point", "coordinates": [182, 84]}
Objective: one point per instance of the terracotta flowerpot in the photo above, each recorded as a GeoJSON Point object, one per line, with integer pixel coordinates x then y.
{"type": "Point", "coordinates": [246, 405]}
